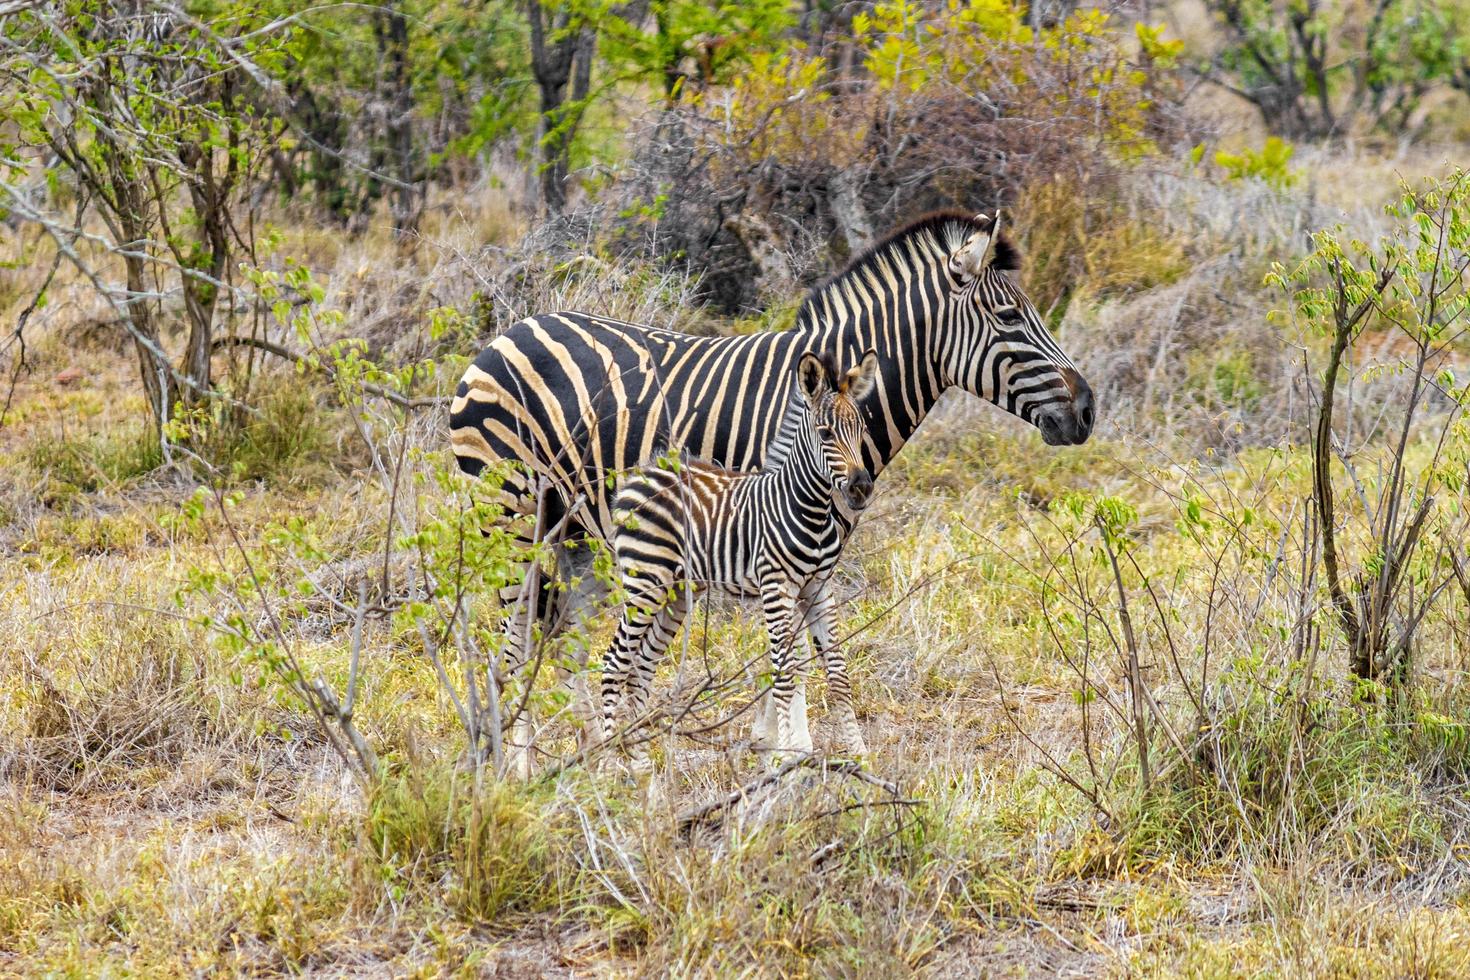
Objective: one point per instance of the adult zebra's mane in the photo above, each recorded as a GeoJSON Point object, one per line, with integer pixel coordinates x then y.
{"type": "Point", "coordinates": [947, 229]}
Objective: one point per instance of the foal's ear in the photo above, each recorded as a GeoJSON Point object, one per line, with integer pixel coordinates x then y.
{"type": "Point", "coordinates": [860, 380]}
{"type": "Point", "coordinates": [811, 376]}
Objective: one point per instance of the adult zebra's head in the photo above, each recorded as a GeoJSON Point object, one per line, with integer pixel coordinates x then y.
{"type": "Point", "coordinates": [999, 348]}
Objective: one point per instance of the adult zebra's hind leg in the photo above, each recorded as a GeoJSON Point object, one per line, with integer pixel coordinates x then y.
{"type": "Point", "coordinates": [521, 602]}
{"type": "Point", "coordinates": [539, 597]}
{"type": "Point", "coordinates": [579, 600]}
{"type": "Point", "coordinates": [519, 633]}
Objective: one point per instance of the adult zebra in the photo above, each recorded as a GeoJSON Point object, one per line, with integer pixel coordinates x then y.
{"type": "Point", "coordinates": [577, 397]}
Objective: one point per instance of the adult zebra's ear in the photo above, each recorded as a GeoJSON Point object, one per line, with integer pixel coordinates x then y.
{"type": "Point", "coordinates": [811, 377]}
{"type": "Point", "coordinates": [970, 259]}
{"type": "Point", "coordinates": [860, 380]}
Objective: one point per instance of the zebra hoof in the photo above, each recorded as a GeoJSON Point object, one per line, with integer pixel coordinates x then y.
{"type": "Point", "coordinates": [763, 727]}
{"type": "Point", "coordinates": [779, 756]}
{"type": "Point", "coordinates": [799, 745]}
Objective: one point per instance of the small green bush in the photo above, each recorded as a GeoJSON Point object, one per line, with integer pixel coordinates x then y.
{"type": "Point", "coordinates": [1268, 165]}
{"type": "Point", "coordinates": [95, 461]}
{"type": "Point", "coordinates": [1289, 772]}
{"type": "Point", "coordinates": [494, 842]}
{"type": "Point", "coordinates": [285, 438]}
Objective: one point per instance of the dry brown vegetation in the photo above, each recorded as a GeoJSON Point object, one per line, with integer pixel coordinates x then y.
{"type": "Point", "coordinates": [169, 807]}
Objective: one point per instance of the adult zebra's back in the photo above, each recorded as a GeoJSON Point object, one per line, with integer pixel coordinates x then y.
{"type": "Point", "coordinates": [578, 397]}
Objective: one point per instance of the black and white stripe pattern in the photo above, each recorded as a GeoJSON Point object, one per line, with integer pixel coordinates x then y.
{"type": "Point", "coordinates": [571, 399]}
{"type": "Point", "coordinates": [776, 534]}
{"type": "Point", "coordinates": [578, 397]}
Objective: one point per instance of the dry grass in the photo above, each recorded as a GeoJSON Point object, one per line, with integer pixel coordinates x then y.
{"type": "Point", "coordinates": [163, 813]}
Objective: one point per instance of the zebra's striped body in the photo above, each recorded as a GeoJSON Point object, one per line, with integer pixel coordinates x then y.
{"type": "Point", "coordinates": [776, 534]}
{"type": "Point", "coordinates": [577, 399]}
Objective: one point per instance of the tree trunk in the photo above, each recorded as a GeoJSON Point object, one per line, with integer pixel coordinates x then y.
{"type": "Point", "coordinates": [328, 132]}
{"type": "Point", "coordinates": [153, 366]}
{"type": "Point", "coordinates": [766, 251]}
{"type": "Point", "coordinates": [208, 193]}
{"type": "Point", "coordinates": [555, 64]}
{"type": "Point", "coordinates": [122, 186]}
{"type": "Point", "coordinates": [1049, 13]}
{"type": "Point", "coordinates": [392, 30]}
{"type": "Point", "coordinates": [848, 211]}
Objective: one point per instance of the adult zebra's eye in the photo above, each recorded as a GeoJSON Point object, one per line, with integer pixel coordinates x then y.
{"type": "Point", "coordinates": [1010, 316]}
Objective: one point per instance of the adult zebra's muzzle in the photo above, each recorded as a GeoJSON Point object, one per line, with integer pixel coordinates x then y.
{"type": "Point", "coordinates": [1068, 422]}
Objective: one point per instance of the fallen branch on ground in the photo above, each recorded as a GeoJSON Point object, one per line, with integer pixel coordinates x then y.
{"type": "Point", "coordinates": [689, 818]}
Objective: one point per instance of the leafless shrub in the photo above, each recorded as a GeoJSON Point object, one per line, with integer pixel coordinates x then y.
{"type": "Point", "coordinates": [565, 265]}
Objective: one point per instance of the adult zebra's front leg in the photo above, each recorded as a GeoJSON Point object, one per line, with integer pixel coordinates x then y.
{"type": "Point", "coordinates": [822, 617]}
{"type": "Point", "coordinates": [779, 602]}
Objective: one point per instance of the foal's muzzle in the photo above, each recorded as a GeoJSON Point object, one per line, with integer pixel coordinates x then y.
{"type": "Point", "coordinates": [858, 489]}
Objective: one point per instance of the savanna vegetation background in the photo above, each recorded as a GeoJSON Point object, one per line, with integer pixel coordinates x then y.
{"type": "Point", "coordinates": [1189, 699]}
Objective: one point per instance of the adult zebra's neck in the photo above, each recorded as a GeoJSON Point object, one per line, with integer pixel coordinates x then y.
{"type": "Point", "coordinates": [893, 300]}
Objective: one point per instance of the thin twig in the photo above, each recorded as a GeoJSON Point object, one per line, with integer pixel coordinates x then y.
{"type": "Point", "coordinates": [396, 397]}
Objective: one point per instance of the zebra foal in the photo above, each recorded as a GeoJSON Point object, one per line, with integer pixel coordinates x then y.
{"type": "Point", "coordinates": [775, 533]}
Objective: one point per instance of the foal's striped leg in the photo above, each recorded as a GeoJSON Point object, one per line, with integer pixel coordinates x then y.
{"type": "Point", "coordinates": [779, 603]}
{"type": "Point", "coordinates": [822, 618]}
{"type": "Point", "coordinates": [656, 640]}
{"type": "Point", "coordinates": [763, 724]}
{"type": "Point", "coordinates": [640, 611]}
